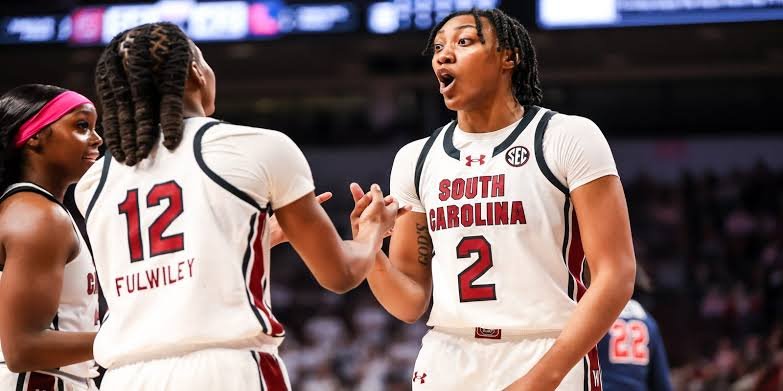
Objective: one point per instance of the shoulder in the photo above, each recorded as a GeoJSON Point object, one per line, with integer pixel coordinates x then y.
{"type": "Point", "coordinates": [44, 218]}
{"type": "Point", "coordinates": [412, 149]}
{"type": "Point", "coordinates": [574, 125]}
{"type": "Point", "coordinates": [224, 131]}
{"type": "Point", "coordinates": [256, 144]}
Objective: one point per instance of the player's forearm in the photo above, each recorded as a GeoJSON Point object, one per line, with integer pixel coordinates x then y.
{"type": "Point", "coordinates": [47, 349]}
{"type": "Point", "coordinates": [400, 295]}
{"type": "Point", "coordinates": [354, 260]}
{"type": "Point", "coordinates": [609, 291]}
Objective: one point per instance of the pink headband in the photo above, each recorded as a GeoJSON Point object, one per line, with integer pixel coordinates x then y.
{"type": "Point", "coordinates": [52, 111]}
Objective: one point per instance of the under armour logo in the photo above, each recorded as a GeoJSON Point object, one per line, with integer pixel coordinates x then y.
{"type": "Point", "coordinates": [418, 378]}
{"type": "Point", "coordinates": [471, 160]}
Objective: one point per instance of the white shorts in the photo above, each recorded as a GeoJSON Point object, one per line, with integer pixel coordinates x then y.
{"type": "Point", "coordinates": [43, 381]}
{"type": "Point", "coordinates": [204, 370]}
{"type": "Point", "coordinates": [465, 362]}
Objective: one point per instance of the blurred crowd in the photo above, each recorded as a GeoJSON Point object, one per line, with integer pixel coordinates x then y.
{"type": "Point", "coordinates": [713, 245]}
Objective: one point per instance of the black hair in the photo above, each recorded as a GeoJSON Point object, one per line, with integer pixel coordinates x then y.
{"type": "Point", "coordinates": [17, 106]}
{"type": "Point", "coordinates": [513, 36]}
{"type": "Point", "coordinates": [140, 80]}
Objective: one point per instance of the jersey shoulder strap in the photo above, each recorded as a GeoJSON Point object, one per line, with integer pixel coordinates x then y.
{"type": "Point", "coordinates": [423, 156]}
{"type": "Point", "coordinates": [22, 187]}
{"type": "Point", "coordinates": [212, 174]}
{"type": "Point", "coordinates": [538, 144]}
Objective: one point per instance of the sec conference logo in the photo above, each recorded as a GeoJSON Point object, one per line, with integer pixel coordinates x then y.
{"type": "Point", "coordinates": [517, 156]}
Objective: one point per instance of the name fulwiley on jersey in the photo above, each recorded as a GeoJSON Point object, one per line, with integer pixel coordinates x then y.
{"type": "Point", "coordinates": [479, 213]}
{"type": "Point", "coordinates": [155, 277]}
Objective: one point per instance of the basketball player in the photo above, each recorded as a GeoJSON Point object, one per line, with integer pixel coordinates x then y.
{"type": "Point", "coordinates": [507, 201]}
{"type": "Point", "coordinates": [48, 286]}
{"type": "Point", "coordinates": [633, 357]}
{"type": "Point", "coordinates": [177, 214]}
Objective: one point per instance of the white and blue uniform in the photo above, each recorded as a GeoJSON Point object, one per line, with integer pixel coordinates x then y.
{"type": "Point", "coordinates": [632, 354]}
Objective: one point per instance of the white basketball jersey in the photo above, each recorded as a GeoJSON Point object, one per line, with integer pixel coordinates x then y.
{"type": "Point", "coordinates": [507, 253]}
{"type": "Point", "coordinates": [182, 255]}
{"type": "Point", "coordinates": [78, 308]}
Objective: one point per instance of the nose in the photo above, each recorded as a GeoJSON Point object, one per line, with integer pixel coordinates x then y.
{"type": "Point", "coordinates": [445, 56]}
{"type": "Point", "coordinates": [95, 139]}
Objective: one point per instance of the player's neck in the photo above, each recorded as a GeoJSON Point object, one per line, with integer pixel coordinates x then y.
{"type": "Point", "coordinates": [489, 118]}
{"type": "Point", "coordinates": [54, 184]}
{"type": "Point", "coordinates": [192, 108]}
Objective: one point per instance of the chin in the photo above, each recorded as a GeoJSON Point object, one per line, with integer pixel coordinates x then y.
{"type": "Point", "coordinates": [452, 104]}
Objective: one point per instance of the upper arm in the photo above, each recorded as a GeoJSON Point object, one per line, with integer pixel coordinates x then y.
{"type": "Point", "coordinates": [604, 226]}
{"type": "Point", "coordinates": [410, 249]}
{"type": "Point", "coordinates": [34, 264]}
{"type": "Point", "coordinates": [581, 159]}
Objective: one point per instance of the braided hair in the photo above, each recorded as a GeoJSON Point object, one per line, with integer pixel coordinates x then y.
{"type": "Point", "coordinates": [513, 36]}
{"type": "Point", "coordinates": [140, 80]}
{"type": "Point", "coordinates": [16, 107]}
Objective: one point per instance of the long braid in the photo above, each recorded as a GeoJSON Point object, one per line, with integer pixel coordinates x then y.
{"type": "Point", "coordinates": [143, 92]}
{"type": "Point", "coordinates": [171, 81]}
{"type": "Point", "coordinates": [106, 100]}
{"type": "Point", "coordinates": [511, 35]}
{"type": "Point", "coordinates": [141, 81]}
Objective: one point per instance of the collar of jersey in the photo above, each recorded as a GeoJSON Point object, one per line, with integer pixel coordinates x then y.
{"type": "Point", "coordinates": [451, 150]}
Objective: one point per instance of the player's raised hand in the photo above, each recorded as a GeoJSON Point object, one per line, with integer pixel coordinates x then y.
{"type": "Point", "coordinates": [276, 234]}
{"type": "Point", "coordinates": [362, 201]}
{"type": "Point", "coordinates": [378, 216]}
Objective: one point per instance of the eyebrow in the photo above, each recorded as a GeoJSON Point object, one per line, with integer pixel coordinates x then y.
{"type": "Point", "coordinates": [464, 26]}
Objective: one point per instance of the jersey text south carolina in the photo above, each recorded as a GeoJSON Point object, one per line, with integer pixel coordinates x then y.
{"type": "Point", "coordinates": [484, 212]}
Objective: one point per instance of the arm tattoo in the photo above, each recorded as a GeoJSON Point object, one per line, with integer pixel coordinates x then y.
{"type": "Point", "coordinates": [424, 243]}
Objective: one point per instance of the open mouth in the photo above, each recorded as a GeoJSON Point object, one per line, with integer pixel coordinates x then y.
{"type": "Point", "coordinates": [446, 80]}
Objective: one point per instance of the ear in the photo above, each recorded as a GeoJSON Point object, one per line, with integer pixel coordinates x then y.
{"type": "Point", "coordinates": [511, 58]}
{"type": "Point", "coordinates": [195, 75]}
{"type": "Point", "coordinates": [37, 142]}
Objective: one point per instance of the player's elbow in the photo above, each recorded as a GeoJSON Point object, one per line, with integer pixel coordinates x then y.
{"type": "Point", "coordinates": [339, 283]}
{"type": "Point", "coordinates": [409, 318]}
{"type": "Point", "coordinates": [411, 314]}
{"type": "Point", "coordinates": [17, 358]}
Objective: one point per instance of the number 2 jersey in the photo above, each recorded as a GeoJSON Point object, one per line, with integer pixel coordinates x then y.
{"type": "Point", "coordinates": [507, 251]}
{"type": "Point", "coordinates": [181, 244]}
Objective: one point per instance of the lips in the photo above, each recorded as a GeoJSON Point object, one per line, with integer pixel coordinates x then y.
{"type": "Point", "coordinates": [446, 80]}
{"type": "Point", "coordinates": [91, 156]}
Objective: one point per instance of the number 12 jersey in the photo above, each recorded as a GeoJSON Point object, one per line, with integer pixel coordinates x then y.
{"type": "Point", "coordinates": [181, 245]}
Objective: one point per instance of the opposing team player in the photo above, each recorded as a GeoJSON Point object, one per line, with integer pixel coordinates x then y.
{"type": "Point", "coordinates": [633, 357]}
{"type": "Point", "coordinates": [507, 201]}
{"type": "Point", "coordinates": [177, 215]}
{"type": "Point", "coordinates": [48, 286]}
